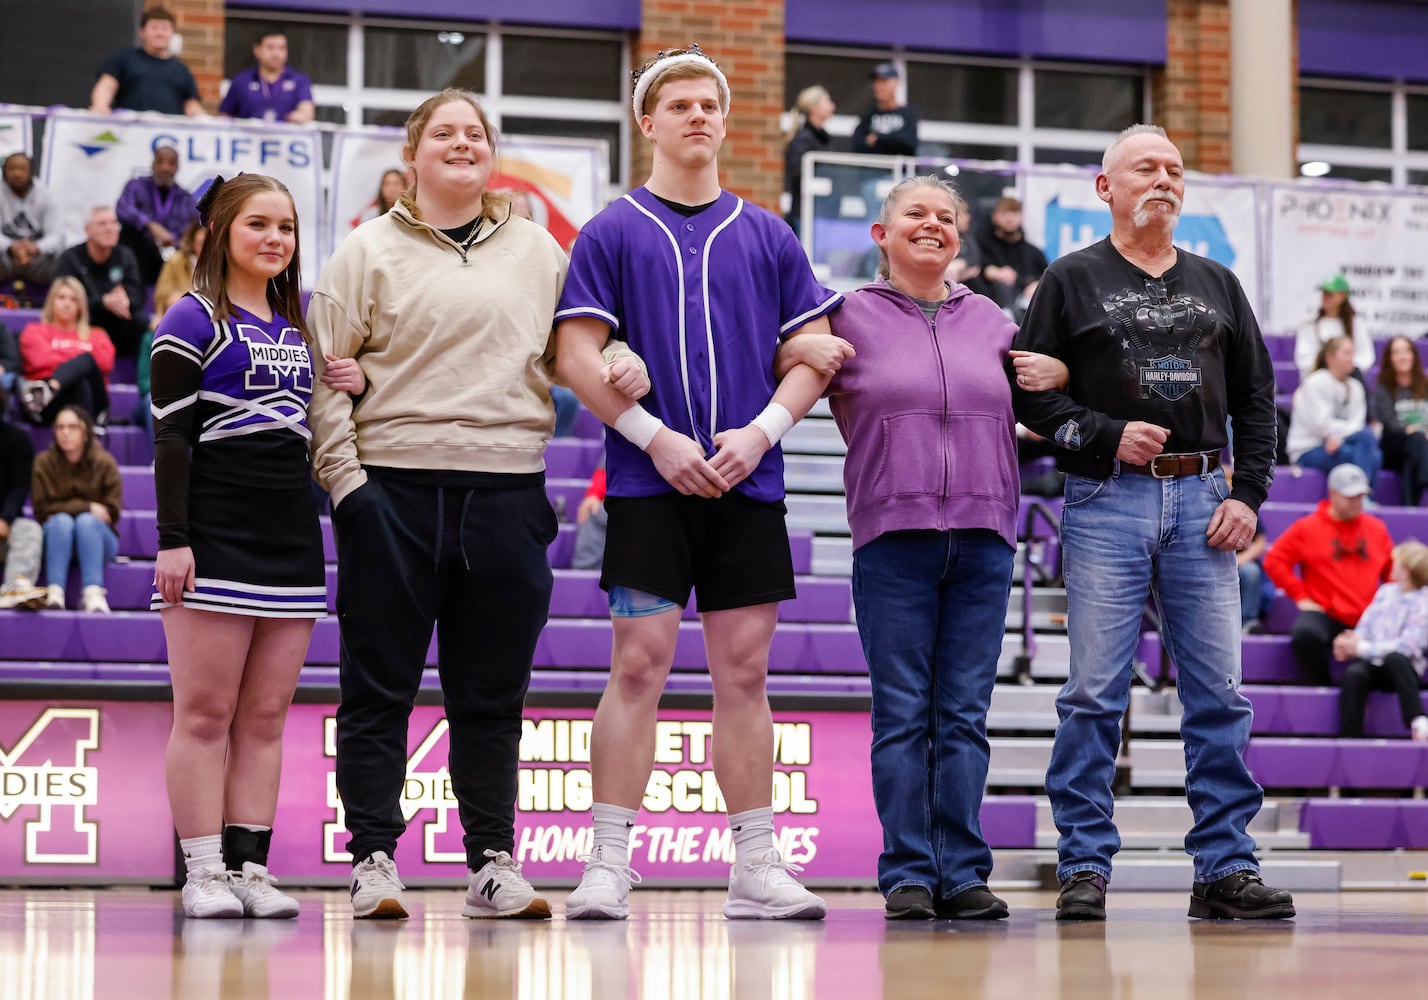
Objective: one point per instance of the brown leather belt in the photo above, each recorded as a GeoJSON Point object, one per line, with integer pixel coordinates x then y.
{"type": "Point", "coordinates": [1194, 463]}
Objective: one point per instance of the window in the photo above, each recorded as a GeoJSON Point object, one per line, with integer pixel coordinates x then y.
{"type": "Point", "coordinates": [848, 79]}
{"type": "Point", "coordinates": [423, 59]}
{"type": "Point", "coordinates": [570, 129]}
{"type": "Point", "coordinates": [1417, 107]}
{"type": "Point", "coordinates": [1100, 102]}
{"type": "Point", "coordinates": [581, 68]}
{"type": "Point", "coordinates": [1080, 157]}
{"type": "Point", "coordinates": [985, 95]}
{"type": "Point", "coordinates": [319, 50]}
{"type": "Point", "coordinates": [1345, 117]}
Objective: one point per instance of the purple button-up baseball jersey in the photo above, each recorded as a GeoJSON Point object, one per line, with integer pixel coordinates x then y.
{"type": "Point", "coordinates": [250, 96]}
{"type": "Point", "coordinates": [704, 301]}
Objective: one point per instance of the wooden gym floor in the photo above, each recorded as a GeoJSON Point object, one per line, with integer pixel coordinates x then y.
{"type": "Point", "coordinates": [115, 944]}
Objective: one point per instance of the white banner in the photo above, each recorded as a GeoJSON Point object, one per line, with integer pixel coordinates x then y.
{"type": "Point", "coordinates": [1061, 213]}
{"type": "Point", "coordinates": [1375, 238]}
{"type": "Point", "coordinates": [15, 133]}
{"type": "Point", "coordinates": [89, 158]}
{"type": "Point", "coordinates": [565, 178]}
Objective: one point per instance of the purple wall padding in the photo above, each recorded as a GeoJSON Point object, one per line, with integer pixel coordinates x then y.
{"type": "Point", "coordinates": [618, 15]}
{"type": "Point", "coordinates": [1380, 39]}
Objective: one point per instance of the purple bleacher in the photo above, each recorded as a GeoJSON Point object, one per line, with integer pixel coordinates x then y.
{"type": "Point", "coordinates": [1292, 762]}
{"type": "Point", "coordinates": [137, 637]}
{"type": "Point", "coordinates": [1293, 484]}
{"type": "Point", "coordinates": [1280, 346]}
{"type": "Point", "coordinates": [1267, 659]}
{"type": "Point", "coordinates": [1403, 522]}
{"type": "Point", "coordinates": [1314, 711]}
{"type": "Point", "coordinates": [1009, 821]}
{"type": "Point", "coordinates": [16, 320]}
{"type": "Point", "coordinates": [1365, 824]}
{"type": "Point", "coordinates": [1286, 377]}
{"type": "Point", "coordinates": [572, 458]}
{"type": "Point", "coordinates": [122, 399]}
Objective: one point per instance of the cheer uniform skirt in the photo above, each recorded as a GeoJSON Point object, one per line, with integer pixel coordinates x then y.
{"type": "Point", "coordinates": [255, 552]}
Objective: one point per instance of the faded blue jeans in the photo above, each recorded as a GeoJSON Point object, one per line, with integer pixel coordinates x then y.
{"type": "Point", "coordinates": [932, 608]}
{"type": "Point", "coordinates": [1124, 538]}
{"type": "Point", "coordinates": [84, 537]}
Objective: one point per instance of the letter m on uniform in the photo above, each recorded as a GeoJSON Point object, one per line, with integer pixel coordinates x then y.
{"type": "Point", "coordinates": [47, 784]}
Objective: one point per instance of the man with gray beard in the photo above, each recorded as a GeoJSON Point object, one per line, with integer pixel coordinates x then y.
{"type": "Point", "coordinates": [1162, 347]}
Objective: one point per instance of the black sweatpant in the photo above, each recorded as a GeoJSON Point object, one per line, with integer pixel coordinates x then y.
{"type": "Point", "coordinates": [471, 561]}
{"type": "Point", "coordinates": [1396, 674]}
{"type": "Point", "coordinates": [81, 384]}
{"type": "Point", "coordinates": [1312, 640]}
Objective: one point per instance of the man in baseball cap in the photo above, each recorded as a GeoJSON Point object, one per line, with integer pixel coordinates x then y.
{"type": "Point", "coordinates": [1330, 562]}
{"type": "Point", "coordinates": [889, 126]}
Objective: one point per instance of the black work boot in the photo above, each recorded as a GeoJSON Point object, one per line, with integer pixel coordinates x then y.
{"type": "Point", "coordinates": [1083, 897]}
{"type": "Point", "coordinates": [1240, 896]}
{"type": "Point", "coordinates": [910, 902]}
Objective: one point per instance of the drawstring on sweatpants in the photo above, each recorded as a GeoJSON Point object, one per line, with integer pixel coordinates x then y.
{"type": "Point", "coordinates": [461, 529]}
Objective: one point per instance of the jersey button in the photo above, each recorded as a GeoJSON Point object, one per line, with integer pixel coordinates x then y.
{"type": "Point", "coordinates": [693, 249]}
{"type": "Point", "coordinates": [689, 226]}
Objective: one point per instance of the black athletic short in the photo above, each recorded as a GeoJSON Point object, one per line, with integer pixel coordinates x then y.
{"type": "Point", "coordinates": [732, 552]}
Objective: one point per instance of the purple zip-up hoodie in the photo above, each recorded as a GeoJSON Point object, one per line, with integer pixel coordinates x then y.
{"type": "Point", "coordinates": [925, 409]}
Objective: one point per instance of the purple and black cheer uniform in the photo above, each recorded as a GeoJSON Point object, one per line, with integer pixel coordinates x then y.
{"type": "Point", "coordinates": [231, 465]}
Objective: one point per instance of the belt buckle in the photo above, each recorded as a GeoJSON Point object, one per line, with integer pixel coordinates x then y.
{"type": "Point", "coordinates": [1155, 468]}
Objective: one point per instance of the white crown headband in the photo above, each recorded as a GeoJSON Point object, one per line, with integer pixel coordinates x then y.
{"type": "Point", "coordinates": [665, 60]}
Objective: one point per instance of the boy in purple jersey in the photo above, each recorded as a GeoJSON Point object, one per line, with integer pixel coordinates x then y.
{"type": "Point", "coordinates": [702, 286]}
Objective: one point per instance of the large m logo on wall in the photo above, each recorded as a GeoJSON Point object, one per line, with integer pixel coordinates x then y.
{"type": "Point", "coordinates": [45, 770]}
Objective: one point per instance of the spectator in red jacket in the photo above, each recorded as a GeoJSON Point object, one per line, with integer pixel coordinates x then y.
{"type": "Point", "coordinates": [65, 361]}
{"type": "Point", "coordinates": [1330, 563]}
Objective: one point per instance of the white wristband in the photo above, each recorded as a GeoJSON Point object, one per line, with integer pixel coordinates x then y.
{"type": "Point", "coordinates": [638, 426]}
{"type": "Point", "coordinates": [775, 421]}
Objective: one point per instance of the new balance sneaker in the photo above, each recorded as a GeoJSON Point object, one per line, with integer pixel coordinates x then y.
{"type": "Point", "coordinates": [258, 892]}
{"type": "Point", "coordinates": [603, 892]}
{"type": "Point", "coordinates": [93, 600]}
{"type": "Point", "coordinates": [208, 893]}
{"type": "Point", "coordinates": [54, 597]}
{"type": "Point", "coordinates": [376, 889]}
{"type": "Point", "coordinates": [499, 889]}
{"type": "Point", "coordinates": [1418, 728]}
{"type": "Point", "coordinates": [763, 888]}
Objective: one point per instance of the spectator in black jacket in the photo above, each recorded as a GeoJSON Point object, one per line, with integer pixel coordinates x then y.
{"type": "Point", "coordinates": [889, 126]}
{"type": "Point", "coordinates": [810, 113]}
{"type": "Point", "coordinates": [1011, 266]}
{"type": "Point", "coordinates": [9, 362]}
{"type": "Point", "coordinates": [110, 275]}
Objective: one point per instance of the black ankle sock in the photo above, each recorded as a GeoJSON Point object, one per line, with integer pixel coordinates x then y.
{"type": "Point", "coordinates": [241, 844]}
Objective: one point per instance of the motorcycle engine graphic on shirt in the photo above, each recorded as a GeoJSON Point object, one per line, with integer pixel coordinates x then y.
{"type": "Point", "coordinates": [1159, 334]}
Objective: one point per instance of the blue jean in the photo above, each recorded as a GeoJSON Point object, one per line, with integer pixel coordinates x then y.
{"type": "Point", "coordinates": [85, 536]}
{"type": "Point", "coordinates": [931, 609]}
{"type": "Point", "coordinates": [1359, 448]}
{"type": "Point", "coordinates": [1252, 595]}
{"type": "Point", "coordinates": [567, 410]}
{"type": "Point", "coordinates": [1124, 538]}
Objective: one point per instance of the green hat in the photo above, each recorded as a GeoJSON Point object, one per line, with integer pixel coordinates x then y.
{"type": "Point", "coordinates": [1338, 283]}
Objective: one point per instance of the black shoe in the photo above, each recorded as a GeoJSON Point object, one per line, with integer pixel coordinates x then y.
{"type": "Point", "coordinates": [976, 903]}
{"type": "Point", "coordinates": [1083, 897]}
{"type": "Point", "coordinates": [910, 902]}
{"type": "Point", "coordinates": [1240, 896]}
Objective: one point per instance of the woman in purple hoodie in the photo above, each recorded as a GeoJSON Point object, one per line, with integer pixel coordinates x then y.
{"type": "Point", "coordinates": [931, 478]}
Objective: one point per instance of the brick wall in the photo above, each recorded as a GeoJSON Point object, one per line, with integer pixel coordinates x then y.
{"type": "Point", "coordinates": [745, 37]}
{"type": "Point", "coordinates": [1191, 95]}
{"type": "Point", "coordinates": [201, 24]}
